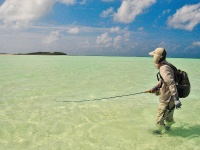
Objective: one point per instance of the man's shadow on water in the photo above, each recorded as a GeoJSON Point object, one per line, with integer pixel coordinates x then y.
{"type": "Point", "coordinates": [185, 131]}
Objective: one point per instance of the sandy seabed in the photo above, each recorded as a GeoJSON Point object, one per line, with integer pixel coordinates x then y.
{"type": "Point", "coordinates": [39, 108]}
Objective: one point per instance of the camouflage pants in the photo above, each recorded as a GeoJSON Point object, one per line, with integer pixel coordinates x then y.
{"type": "Point", "coordinates": [165, 112]}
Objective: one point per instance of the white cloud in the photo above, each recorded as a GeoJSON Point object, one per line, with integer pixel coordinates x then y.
{"type": "Point", "coordinates": [74, 30]}
{"type": "Point", "coordinates": [166, 11]}
{"type": "Point", "coordinates": [84, 44]}
{"type": "Point", "coordinates": [129, 9]}
{"type": "Point", "coordinates": [54, 36]}
{"type": "Point", "coordinates": [115, 29]}
{"type": "Point", "coordinates": [127, 35]}
{"type": "Point", "coordinates": [169, 46]}
{"type": "Point", "coordinates": [104, 40]}
{"type": "Point", "coordinates": [72, 2]}
{"type": "Point", "coordinates": [186, 17]}
{"type": "Point", "coordinates": [117, 38]}
{"type": "Point", "coordinates": [196, 43]}
{"type": "Point", "coordinates": [117, 41]}
{"type": "Point", "coordinates": [107, 13]}
{"type": "Point", "coordinates": [20, 13]}
{"type": "Point", "coordinates": [68, 1]}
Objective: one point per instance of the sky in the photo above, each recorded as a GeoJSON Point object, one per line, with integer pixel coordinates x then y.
{"type": "Point", "coordinates": [101, 27]}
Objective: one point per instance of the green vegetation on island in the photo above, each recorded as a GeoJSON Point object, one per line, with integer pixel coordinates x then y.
{"type": "Point", "coordinates": [42, 53]}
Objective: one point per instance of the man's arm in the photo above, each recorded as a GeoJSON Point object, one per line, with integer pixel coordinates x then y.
{"type": "Point", "coordinates": [167, 74]}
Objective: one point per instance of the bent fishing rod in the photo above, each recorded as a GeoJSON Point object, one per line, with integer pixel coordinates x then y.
{"type": "Point", "coordinates": [106, 98]}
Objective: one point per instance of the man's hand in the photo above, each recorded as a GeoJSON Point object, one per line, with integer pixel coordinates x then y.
{"type": "Point", "coordinates": [154, 89]}
{"type": "Point", "coordinates": [177, 102]}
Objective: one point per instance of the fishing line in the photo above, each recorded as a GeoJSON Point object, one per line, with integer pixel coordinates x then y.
{"type": "Point", "coordinates": [105, 98]}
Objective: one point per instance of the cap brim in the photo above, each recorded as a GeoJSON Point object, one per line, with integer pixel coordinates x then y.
{"type": "Point", "coordinates": [152, 53]}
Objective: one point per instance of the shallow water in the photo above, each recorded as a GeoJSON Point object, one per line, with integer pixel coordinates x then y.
{"type": "Point", "coordinates": [46, 102]}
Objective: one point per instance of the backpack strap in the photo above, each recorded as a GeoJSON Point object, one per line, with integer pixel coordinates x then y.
{"type": "Point", "coordinates": [158, 78]}
{"type": "Point", "coordinates": [172, 66]}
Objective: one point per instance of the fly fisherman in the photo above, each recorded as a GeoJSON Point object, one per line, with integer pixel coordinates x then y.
{"type": "Point", "coordinates": [167, 91]}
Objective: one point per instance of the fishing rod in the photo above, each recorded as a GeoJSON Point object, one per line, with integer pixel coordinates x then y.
{"type": "Point", "coordinates": [105, 98]}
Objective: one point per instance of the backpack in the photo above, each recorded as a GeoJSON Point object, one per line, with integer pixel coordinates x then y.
{"type": "Point", "coordinates": [182, 81]}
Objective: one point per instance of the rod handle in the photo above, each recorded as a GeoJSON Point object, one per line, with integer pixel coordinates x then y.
{"type": "Point", "coordinates": [148, 91]}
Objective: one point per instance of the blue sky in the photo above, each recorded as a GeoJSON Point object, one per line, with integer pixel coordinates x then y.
{"type": "Point", "coordinates": [101, 27]}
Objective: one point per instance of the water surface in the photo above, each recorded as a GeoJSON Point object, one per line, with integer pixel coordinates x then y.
{"type": "Point", "coordinates": [42, 104]}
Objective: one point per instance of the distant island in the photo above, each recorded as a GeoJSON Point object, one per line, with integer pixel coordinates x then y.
{"type": "Point", "coordinates": [42, 53]}
{"type": "Point", "coordinates": [5, 54]}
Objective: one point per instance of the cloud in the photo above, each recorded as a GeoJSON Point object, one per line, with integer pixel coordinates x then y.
{"type": "Point", "coordinates": [107, 13]}
{"type": "Point", "coordinates": [185, 18]}
{"type": "Point", "coordinates": [104, 40]}
{"type": "Point", "coordinates": [196, 43]}
{"type": "Point", "coordinates": [74, 30]}
{"type": "Point", "coordinates": [129, 9]}
{"type": "Point", "coordinates": [117, 41]}
{"type": "Point", "coordinates": [20, 13]}
{"type": "Point", "coordinates": [127, 35]}
{"type": "Point", "coordinates": [164, 12]}
{"type": "Point", "coordinates": [84, 44]}
{"type": "Point", "coordinates": [68, 1]}
{"type": "Point", "coordinates": [115, 29]}
{"type": "Point", "coordinates": [117, 38]}
{"type": "Point", "coordinates": [72, 2]}
{"type": "Point", "coordinates": [54, 36]}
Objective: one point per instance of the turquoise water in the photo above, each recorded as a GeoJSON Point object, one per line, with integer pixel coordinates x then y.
{"type": "Point", "coordinates": [38, 108]}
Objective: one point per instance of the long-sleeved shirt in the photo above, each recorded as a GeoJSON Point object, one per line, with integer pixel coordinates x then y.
{"type": "Point", "coordinates": [168, 89]}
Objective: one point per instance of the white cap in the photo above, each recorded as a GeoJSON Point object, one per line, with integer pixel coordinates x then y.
{"type": "Point", "coordinates": [159, 55]}
{"type": "Point", "coordinates": [158, 51]}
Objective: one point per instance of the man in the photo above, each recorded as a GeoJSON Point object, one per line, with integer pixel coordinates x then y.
{"type": "Point", "coordinates": [166, 87]}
